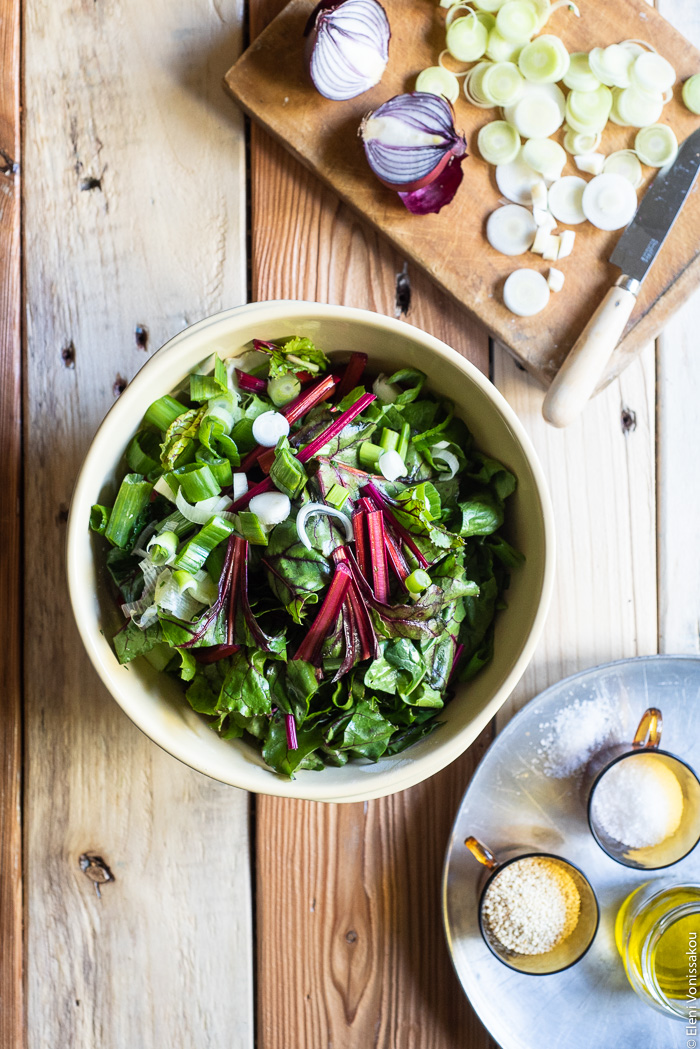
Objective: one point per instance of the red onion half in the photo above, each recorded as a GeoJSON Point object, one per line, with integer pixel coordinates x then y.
{"type": "Point", "coordinates": [411, 143]}
{"type": "Point", "coordinates": [348, 47]}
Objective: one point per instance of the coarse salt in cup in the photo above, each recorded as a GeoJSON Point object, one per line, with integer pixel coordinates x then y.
{"type": "Point", "coordinates": [643, 803]}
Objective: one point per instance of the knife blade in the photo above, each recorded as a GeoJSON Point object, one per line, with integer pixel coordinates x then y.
{"type": "Point", "coordinates": [634, 253]}
{"type": "Point", "coordinates": [661, 204]}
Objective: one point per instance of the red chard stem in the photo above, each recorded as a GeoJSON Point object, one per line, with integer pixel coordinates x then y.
{"type": "Point", "coordinates": [377, 549]}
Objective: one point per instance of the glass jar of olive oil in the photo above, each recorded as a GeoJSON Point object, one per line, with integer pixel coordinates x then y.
{"type": "Point", "coordinates": [656, 932]}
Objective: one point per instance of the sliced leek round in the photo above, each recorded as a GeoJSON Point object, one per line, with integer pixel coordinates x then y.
{"type": "Point", "coordinates": [498, 142]}
{"type": "Point", "coordinates": [656, 145]}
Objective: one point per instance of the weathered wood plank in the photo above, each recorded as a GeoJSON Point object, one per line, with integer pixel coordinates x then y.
{"type": "Point", "coordinates": [135, 213]}
{"type": "Point", "coordinates": [602, 481]}
{"type": "Point", "coordinates": [678, 379]}
{"type": "Point", "coordinates": [11, 1005]}
{"type": "Point", "coordinates": [351, 951]}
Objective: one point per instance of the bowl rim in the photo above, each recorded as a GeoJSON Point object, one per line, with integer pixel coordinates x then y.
{"type": "Point", "coordinates": [412, 771]}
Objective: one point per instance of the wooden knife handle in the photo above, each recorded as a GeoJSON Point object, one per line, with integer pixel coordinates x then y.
{"type": "Point", "coordinates": [579, 374]}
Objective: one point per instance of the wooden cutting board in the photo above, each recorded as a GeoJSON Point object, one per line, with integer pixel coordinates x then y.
{"type": "Point", "coordinates": [270, 83]}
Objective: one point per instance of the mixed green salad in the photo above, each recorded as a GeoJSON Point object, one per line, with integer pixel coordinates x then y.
{"type": "Point", "coordinates": [316, 554]}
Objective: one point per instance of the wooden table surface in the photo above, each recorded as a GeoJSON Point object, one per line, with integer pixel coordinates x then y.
{"type": "Point", "coordinates": [233, 920]}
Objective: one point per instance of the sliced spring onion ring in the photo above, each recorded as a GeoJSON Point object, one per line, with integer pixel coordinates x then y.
{"type": "Point", "coordinates": [501, 50]}
{"type": "Point", "coordinates": [515, 181]}
{"type": "Point", "coordinates": [609, 201]}
{"type": "Point", "coordinates": [591, 163]}
{"type": "Point", "coordinates": [385, 391]}
{"type": "Point", "coordinates": [555, 279]}
{"type": "Point", "coordinates": [438, 81]}
{"type": "Point", "coordinates": [589, 110]}
{"type": "Point", "coordinates": [545, 156]}
{"type": "Point", "coordinates": [691, 93]}
{"type": "Point", "coordinates": [472, 86]}
{"type": "Point", "coordinates": [391, 465]}
{"type": "Point", "coordinates": [240, 485]}
{"type": "Point", "coordinates": [544, 60]}
{"type": "Point", "coordinates": [502, 84]}
{"type": "Point", "coordinates": [487, 20]}
{"type": "Point", "coordinates": [612, 65]}
{"type": "Point", "coordinates": [566, 243]}
{"type": "Point", "coordinates": [581, 141]}
{"type": "Point", "coordinates": [163, 548]}
{"type": "Point", "coordinates": [625, 162]}
{"type": "Point", "coordinates": [656, 145]}
{"type": "Point", "coordinates": [635, 108]}
{"type": "Point", "coordinates": [269, 427]}
{"type": "Point", "coordinates": [525, 292]}
{"type": "Point", "coordinates": [455, 9]}
{"type": "Point", "coordinates": [283, 389]}
{"type": "Point", "coordinates": [466, 38]}
{"type": "Point", "coordinates": [565, 199]}
{"type": "Point", "coordinates": [510, 230]}
{"type": "Point", "coordinates": [579, 76]}
{"type": "Point", "coordinates": [201, 512]}
{"type": "Point", "coordinates": [650, 72]}
{"type": "Point", "coordinates": [440, 451]}
{"type": "Point", "coordinates": [492, 6]}
{"type": "Point", "coordinates": [271, 507]}
{"type": "Point", "coordinates": [637, 47]}
{"type": "Point", "coordinates": [163, 488]}
{"type": "Point", "coordinates": [498, 142]}
{"type": "Point", "coordinates": [517, 21]}
{"type": "Point", "coordinates": [539, 112]}
{"type": "Point", "coordinates": [320, 508]}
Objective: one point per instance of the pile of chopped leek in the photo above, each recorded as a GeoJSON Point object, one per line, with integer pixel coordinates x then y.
{"type": "Point", "coordinates": [498, 49]}
{"type": "Point", "coordinates": [316, 555]}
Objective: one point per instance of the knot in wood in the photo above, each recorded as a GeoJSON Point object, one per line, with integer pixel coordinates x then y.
{"type": "Point", "coordinates": [351, 936]}
{"type": "Point", "coordinates": [95, 868]}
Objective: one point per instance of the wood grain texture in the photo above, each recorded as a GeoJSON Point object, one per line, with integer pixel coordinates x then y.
{"type": "Point", "coordinates": [135, 226]}
{"type": "Point", "coordinates": [11, 992]}
{"type": "Point", "coordinates": [269, 82]}
{"type": "Point", "coordinates": [351, 950]}
{"type": "Point", "coordinates": [678, 422]}
{"type": "Point", "coordinates": [601, 476]}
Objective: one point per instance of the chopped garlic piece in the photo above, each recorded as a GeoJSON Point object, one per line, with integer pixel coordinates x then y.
{"type": "Point", "coordinates": [555, 280]}
{"type": "Point", "coordinates": [592, 163]}
{"type": "Point", "coordinates": [566, 243]}
{"type": "Point", "coordinates": [551, 248]}
{"type": "Point", "coordinates": [543, 217]}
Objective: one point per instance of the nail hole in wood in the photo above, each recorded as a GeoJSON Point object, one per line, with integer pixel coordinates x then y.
{"type": "Point", "coordinates": [118, 386]}
{"type": "Point", "coordinates": [68, 355]}
{"type": "Point", "coordinates": [86, 184]}
{"type": "Point", "coordinates": [628, 420]}
{"type": "Point", "coordinates": [351, 936]}
{"type": "Point", "coordinates": [402, 303]}
{"type": "Point", "coordinates": [62, 515]}
{"type": "Point", "coordinates": [141, 336]}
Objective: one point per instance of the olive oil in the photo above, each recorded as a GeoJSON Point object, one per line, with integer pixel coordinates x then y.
{"type": "Point", "coordinates": [656, 932]}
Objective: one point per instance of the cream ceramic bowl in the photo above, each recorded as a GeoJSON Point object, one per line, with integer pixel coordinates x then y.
{"type": "Point", "coordinates": [156, 703]}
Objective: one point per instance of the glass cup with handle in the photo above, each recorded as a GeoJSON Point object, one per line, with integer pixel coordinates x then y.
{"type": "Point", "coordinates": [628, 825]}
{"type": "Point", "coordinates": [563, 953]}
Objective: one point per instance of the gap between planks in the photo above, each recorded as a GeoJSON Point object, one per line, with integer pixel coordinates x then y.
{"type": "Point", "coordinates": [11, 988]}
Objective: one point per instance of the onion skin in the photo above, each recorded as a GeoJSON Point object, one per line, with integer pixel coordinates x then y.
{"type": "Point", "coordinates": [319, 22]}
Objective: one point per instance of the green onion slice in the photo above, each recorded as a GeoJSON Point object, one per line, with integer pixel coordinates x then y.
{"type": "Point", "coordinates": [205, 386]}
{"type": "Point", "coordinates": [417, 581]}
{"type": "Point", "coordinates": [163, 547]}
{"type": "Point", "coordinates": [99, 518]}
{"type": "Point", "coordinates": [163, 412]}
{"type": "Point", "coordinates": [197, 549]}
{"type": "Point", "coordinates": [133, 495]}
{"type": "Point", "coordinates": [287, 473]}
{"type": "Point", "coordinates": [336, 496]}
{"type": "Point", "coordinates": [251, 528]}
{"type": "Point", "coordinates": [196, 481]}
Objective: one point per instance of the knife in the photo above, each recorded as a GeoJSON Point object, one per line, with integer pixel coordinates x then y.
{"type": "Point", "coordinates": [635, 253]}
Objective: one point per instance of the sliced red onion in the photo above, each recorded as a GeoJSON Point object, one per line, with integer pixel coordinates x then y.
{"type": "Point", "coordinates": [411, 139]}
{"type": "Point", "coordinates": [348, 47]}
